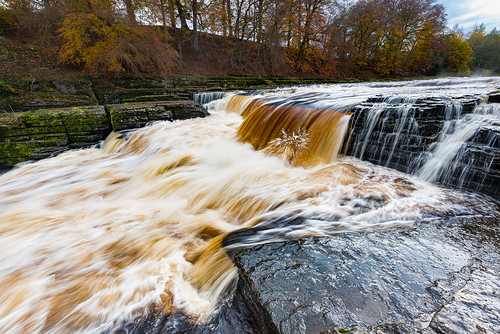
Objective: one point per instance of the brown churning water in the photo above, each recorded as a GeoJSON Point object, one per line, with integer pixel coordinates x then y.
{"type": "Point", "coordinates": [92, 238]}
{"type": "Point", "coordinates": [302, 136]}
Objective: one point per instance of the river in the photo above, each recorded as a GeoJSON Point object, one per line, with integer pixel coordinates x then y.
{"type": "Point", "coordinates": [92, 239]}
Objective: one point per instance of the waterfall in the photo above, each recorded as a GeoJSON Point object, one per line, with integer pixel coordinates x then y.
{"type": "Point", "coordinates": [301, 136]}
{"type": "Point", "coordinates": [396, 131]}
{"type": "Point", "coordinates": [451, 141]}
{"type": "Point", "coordinates": [455, 158]}
{"type": "Point", "coordinates": [207, 97]}
{"type": "Point", "coordinates": [93, 239]}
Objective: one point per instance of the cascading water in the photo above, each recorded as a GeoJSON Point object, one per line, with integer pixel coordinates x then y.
{"type": "Point", "coordinates": [207, 97]}
{"type": "Point", "coordinates": [452, 160]}
{"type": "Point", "coordinates": [397, 131]}
{"type": "Point", "coordinates": [92, 239]}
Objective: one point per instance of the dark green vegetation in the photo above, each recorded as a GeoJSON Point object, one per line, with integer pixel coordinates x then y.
{"type": "Point", "coordinates": [486, 48]}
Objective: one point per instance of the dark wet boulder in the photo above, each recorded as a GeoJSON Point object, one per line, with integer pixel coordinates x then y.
{"type": "Point", "coordinates": [434, 279]}
{"type": "Point", "coordinates": [494, 97]}
{"type": "Point", "coordinates": [181, 110]}
{"type": "Point", "coordinates": [135, 115]}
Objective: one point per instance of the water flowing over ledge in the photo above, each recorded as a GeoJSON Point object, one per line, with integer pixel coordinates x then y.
{"type": "Point", "coordinates": [144, 227]}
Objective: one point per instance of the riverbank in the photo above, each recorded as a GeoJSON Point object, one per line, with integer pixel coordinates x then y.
{"type": "Point", "coordinates": [38, 134]}
{"type": "Point", "coordinates": [53, 93]}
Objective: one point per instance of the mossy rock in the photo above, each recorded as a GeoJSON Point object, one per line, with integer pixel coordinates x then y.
{"type": "Point", "coordinates": [127, 116]}
{"type": "Point", "coordinates": [38, 134]}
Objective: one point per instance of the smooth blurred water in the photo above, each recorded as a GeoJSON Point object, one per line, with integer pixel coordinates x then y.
{"type": "Point", "coordinates": [93, 238]}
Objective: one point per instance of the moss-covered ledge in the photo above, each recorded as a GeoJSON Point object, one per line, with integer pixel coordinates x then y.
{"type": "Point", "coordinates": [134, 115]}
{"type": "Point", "coordinates": [37, 134]}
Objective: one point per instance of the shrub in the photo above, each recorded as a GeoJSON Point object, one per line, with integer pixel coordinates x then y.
{"type": "Point", "coordinates": [104, 46]}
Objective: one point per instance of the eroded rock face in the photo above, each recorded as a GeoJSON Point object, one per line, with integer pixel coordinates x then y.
{"type": "Point", "coordinates": [397, 133]}
{"type": "Point", "coordinates": [431, 278]}
{"type": "Point", "coordinates": [404, 135]}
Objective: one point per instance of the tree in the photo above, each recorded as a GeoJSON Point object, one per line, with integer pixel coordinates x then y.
{"type": "Point", "coordinates": [130, 8]}
{"type": "Point", "coordinates": [105, 43]}
{"type": "Point", "coordinates": [195, 24]}
{"type": "Point", "coordinates": [486, 49]}
{"type": "Point", "coordinates": [457, 54]}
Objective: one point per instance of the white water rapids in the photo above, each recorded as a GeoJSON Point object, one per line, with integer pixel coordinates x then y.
{"type": "Point", "coordinates": [92, 238]}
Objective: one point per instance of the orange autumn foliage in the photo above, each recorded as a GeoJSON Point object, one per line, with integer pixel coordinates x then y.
{"type": "Point", "coordinates": [110, 46]}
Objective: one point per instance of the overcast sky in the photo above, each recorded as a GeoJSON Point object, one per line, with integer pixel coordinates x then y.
{"type": "Point", "coordinates": [466, 13]}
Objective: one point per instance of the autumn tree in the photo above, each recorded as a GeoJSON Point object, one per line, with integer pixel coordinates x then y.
{"type": "Point", "coordinates": [101, 40]}
{"type": "Point", "coordinates": [358, 34]}
{"type": "Point", "coordinates": [307, 23]}
{"type": "Point", "coordinates": [457, 54]}
{"type": "Point", "coordinates": [389, 37]}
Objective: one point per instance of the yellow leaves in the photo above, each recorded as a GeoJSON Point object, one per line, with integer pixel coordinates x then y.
{"type": "Point", "coordinates": [77, 31]}
{"type": "Point", "coordinates": [458, 53]}
{"type": "Point", "coordinates": [6, 89]}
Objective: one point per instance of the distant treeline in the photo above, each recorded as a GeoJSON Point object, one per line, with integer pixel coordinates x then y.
{"type": "Point", "coordinates": [334, 38]}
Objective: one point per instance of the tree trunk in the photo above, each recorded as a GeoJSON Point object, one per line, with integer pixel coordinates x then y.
{"type": "Point", "coordinates": [228, 17]}
{"type": "Point", "coordinates": [130, 11]}
{"type": "Point", "coordinates": [171, 13]}
{"type": "Point", "coordinates": [182, 15]}
{"type": "Point", "coordinates": [195, 25]}
{"type": "Point", "coordinates": [163, 18]}
{"type": "Point", "coordinates": [238, 16]}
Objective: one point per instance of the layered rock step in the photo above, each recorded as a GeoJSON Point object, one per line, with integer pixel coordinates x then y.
{"type": "Point", "coordinates": [38, 134]}
{"type": "Point", "coordinates": [405, 135]}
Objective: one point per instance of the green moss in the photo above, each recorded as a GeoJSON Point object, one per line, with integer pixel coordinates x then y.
{"type": "Point", "coordinates": [132, 115]}
{"type": "Point", "coordinates": [84, 119]}
{"type": "Point", "coordinates": [37, 134]}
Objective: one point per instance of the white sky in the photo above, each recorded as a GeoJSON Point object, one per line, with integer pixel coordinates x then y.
{"type": "Point", "coordinates": [467, 13]}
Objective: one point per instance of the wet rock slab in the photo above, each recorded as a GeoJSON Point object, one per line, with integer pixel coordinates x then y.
{"type": "Point", "coordinates": [432, 278]}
